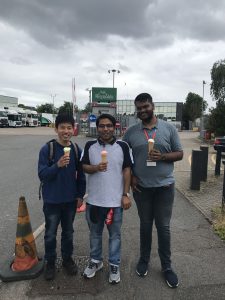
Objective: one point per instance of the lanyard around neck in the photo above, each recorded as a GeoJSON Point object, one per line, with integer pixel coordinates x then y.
{"type": "Point", "coordinates": [151, 135]}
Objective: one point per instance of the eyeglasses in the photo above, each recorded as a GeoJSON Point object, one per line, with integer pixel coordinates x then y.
{"type": "Point", "coordinates": [105, 126]}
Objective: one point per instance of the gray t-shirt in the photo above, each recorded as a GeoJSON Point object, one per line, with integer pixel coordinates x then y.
{"type": "Point", "coordinates": [105, 189]}
{"type": "Point", "coordinates": [166, 141]}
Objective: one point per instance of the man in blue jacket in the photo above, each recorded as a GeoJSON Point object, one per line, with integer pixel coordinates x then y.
{"type": "Point", "coordinates": [63, 188]}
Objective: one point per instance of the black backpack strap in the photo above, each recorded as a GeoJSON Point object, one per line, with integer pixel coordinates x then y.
{"type": "Point", "coordinates": [51, 150]}
{"type": "Point", "coordinates": [76, 155]}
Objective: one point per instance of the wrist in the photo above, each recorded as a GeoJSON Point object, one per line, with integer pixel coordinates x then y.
{"type": "Point", "coordinates": [126, 195]}
{"type": "Point", "coordinates": [163, 156]}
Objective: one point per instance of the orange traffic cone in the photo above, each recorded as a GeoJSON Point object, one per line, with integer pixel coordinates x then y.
{"type": "Point", "coordinates": [26, 264]}
{"type": "Point", "coordinates": [25, 248]}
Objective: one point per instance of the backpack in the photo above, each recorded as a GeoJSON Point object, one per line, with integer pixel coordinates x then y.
{"type": "Point", "coordinates": [51, 151]}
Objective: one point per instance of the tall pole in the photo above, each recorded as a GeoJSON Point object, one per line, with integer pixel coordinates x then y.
{"type": "Point", "coordinates": [89, 91]}
{"type": "Point", "coordinates": [74, 98]}
{"type": "Point", "coordinates": [113, 71]}
{"type": "Point", "coordinates": [53, 103]}
{"type": "Point", "coordinates": [202, 115]}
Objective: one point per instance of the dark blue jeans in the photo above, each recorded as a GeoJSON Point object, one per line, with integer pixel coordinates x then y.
{"type": "Point", "coordinates": [155, 204]}
{"type": "Point", "coordinates": [55, 214]}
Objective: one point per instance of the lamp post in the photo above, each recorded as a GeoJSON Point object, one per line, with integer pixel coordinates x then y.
{"type": "Point", "coordinates": [89, 91]}
{"type": "Point", "coordinates": [113, 71]}
{"type": "Point", "coordinates": [202, 114]}
{"type": "Point", "coordinates": [53, 103]}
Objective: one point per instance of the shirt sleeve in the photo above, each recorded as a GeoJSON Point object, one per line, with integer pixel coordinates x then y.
{"type": "Point", "coordinates": [175, 141]}
{"type": "Point", "coordinates": [85, 154]}
{"type": "Point", "coordinates": [127, 154]}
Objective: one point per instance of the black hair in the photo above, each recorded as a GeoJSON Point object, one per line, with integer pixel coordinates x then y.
{"type": "Point", "coordinates": [64, 118]}
{"type": "Point", "coordinates": [143, 97]}
{"type": "Point", "coordinates": [106, 116]}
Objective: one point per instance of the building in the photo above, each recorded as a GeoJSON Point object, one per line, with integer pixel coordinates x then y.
{"type": "Point", "coordinates": [169, 111]}
{"type": "Point", "coordinates": [6, 101]}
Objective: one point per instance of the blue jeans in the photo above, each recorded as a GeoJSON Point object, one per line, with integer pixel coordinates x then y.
{"type": "Point", "coordinates": [155, 204]}
{"type": "Point", "coordinates": [96, 230]}
{"type": "Point", "coordinates": [54, 214]}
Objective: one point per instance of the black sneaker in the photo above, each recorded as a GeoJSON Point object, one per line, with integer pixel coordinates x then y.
{"type": "Point", "coordinates": [171, 278]}
{"type": "Point", "coordinates": [49, 273]}
{"type": "Point", "coordinates": [142, 268]}
{"type": "Point", "coordinates": [70, 266]}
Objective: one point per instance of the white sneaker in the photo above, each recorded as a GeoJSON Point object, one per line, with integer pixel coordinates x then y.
{"type": "Point", "coordinates": [114, 274]}
{"type": "Point", "coordinates": [92, 268]}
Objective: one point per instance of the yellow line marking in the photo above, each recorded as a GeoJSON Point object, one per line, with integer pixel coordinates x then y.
{"type": "Point", "coordinates": [189, 159]}
{"type": "Point", "coordinates": [213, 158]}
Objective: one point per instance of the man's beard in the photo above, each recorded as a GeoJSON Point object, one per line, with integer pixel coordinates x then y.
{"type": "Point", "coordinates": [148, 118]}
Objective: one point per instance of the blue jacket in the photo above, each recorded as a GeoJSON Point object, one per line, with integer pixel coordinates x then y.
{"type": "Point", "coordinates": [60, 185]}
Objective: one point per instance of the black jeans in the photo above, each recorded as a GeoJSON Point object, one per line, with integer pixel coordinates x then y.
{"type": "Point", "coordinates": [155, 204]}
{"type": "Point", "coordinates": [54, 214]}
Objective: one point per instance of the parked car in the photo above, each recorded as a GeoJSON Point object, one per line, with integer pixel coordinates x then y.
{"type": "Point", "coordinates": [219, 143]}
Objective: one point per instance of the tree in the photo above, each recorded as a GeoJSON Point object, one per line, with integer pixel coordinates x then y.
{"type": "Point", "coordinates": [193, 107]}
{"type": "Point", "coordinates": [21, 105]}
{"type": "Point", "coordinates": [217, 89]}
{"type": "Point", "coordinates": [216, 121]}
{"type": "Point", "coordinates": [46, 108]}
{"type": "Point", "coordinates": [87, 108]}
{"type": "Point", "coordinates": [67, 107]}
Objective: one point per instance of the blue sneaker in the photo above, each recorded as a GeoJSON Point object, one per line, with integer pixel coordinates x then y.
{"type": "Point", "coordinates": [171, 278]}
{"type": "Point", "coordinates": [142, 268]}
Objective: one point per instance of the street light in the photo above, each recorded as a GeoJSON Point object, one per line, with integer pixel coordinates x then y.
{"type": "Point", "coordinates": [202, 115]}
{"type": "Point", "coordinates": [113, 71]}
{"type": "Point", "coordinates": [53, 102]}
{"type": "Point", "coordinates": [89, 90]}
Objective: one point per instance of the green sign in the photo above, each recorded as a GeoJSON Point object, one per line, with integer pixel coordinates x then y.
{"type": "Point", "coordinates": [104, 95]}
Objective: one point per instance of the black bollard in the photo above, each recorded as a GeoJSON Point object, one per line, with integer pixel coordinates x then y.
{"type": "Point", "coordinates": [196, 169]}
{"type": "Point", "coordinates": [223, 196]}
{"type": "Point", "coordinates": [204, 165]}
{"type": "Point", "coordinates": [218, 149]}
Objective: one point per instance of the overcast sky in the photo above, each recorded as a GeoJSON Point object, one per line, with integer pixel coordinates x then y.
{"type": "Point", "coordinates": [164, 47]}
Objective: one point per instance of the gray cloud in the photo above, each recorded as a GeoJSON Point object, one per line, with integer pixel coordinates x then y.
{"type": "Point", "coordinates": [54, 23]}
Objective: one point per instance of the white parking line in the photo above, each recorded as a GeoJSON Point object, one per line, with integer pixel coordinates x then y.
{"type": "Point", "coordinates": [39, 230]}
{"type": "Point", "coordinates": [189, 159]}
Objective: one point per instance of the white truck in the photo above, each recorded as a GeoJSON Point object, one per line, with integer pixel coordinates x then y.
{"type": "Point", "coordinates": [3, 118]}
{"type": "Point", "coordinates": [31, 118]}
{"type": "Point", "coordinates": [22, 112]}
{"type": "Point", "coordinates": [14, 118]}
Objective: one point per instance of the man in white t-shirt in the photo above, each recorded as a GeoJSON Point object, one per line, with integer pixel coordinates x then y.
{"type": "Point", "coordinates": [108, 194]}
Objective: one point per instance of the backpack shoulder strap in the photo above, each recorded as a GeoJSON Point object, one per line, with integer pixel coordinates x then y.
{"type": "Point", "coordinates": [76, 152]}
{"type": "Point", "coordinates": [51, 149]}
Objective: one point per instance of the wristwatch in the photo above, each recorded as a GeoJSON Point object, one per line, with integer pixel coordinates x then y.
{"type": "Point", "coordinates": [126, 194]}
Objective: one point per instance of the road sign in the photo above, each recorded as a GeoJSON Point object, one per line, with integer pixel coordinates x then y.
{"type": "Point", "coordinates": [92, 118]}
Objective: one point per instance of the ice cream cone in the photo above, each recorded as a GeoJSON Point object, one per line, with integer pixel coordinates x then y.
{"type": "Point", "coordinates": [67, 151]}
{"type": "Point", "coordinates": [104, 156]}
{"type": "Point", "coordinates": [150, 145]}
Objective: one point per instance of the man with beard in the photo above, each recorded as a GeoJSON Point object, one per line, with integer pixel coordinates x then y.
{"type": "Point", "coordinates": [156, 146]}
{"type": "Point", "coordinates": [108, 165]}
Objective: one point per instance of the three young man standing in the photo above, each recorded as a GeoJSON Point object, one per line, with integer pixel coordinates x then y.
{"type": "Point", "coordinates": [108, 163]}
